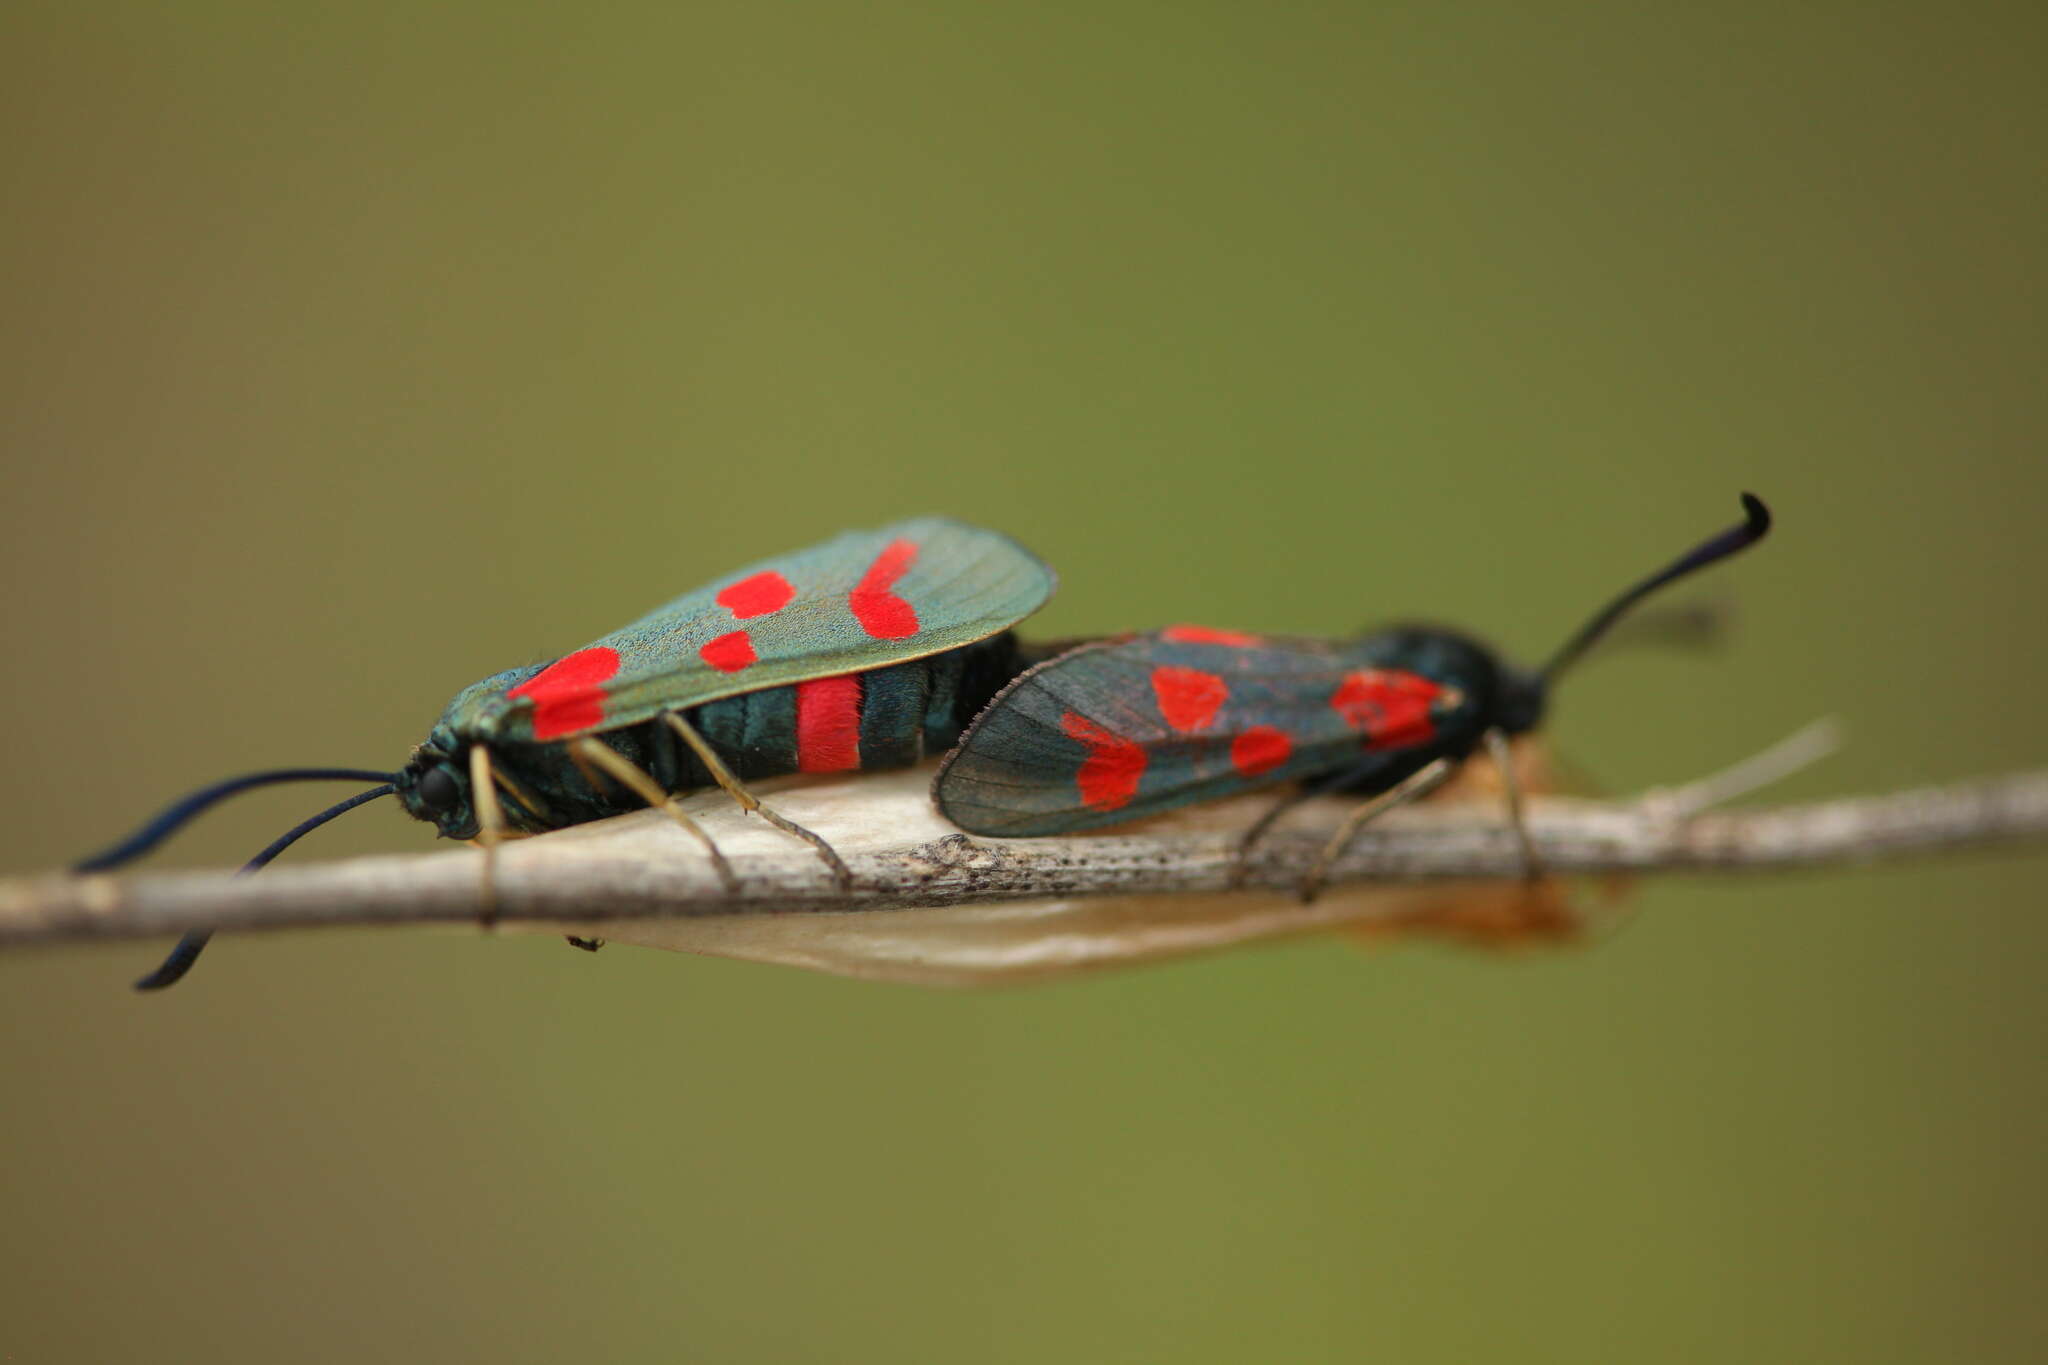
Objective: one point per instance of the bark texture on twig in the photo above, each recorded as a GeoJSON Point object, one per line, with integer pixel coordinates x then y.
{"type": "Point", "coordinates": [933, 904]}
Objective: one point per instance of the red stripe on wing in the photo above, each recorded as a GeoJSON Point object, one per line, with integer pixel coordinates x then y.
{"type": "Point", "coordinates": [1259, 750]}
{"type": "Point", "coordinates": [1188, 697]}
{"type": "Point", "coordinates": [881, 613]}
{"type": "Point", "coordinates": [758, 594]}
{"type": "Point", "coordinates": [1390, 708]}
{"type": "Point", "coordinates": [1109, 774]}
{"type": "Point", "coordinates": [568, 695]}
{"type": "Point", "coordinates": [729, 653]}
{"type": "Point", "coordinates": [1209, 635]}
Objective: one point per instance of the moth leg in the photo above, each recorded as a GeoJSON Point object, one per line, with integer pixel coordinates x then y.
{"type": "Point", "coordinates": [1306, 791]}
{"type": "Point", "coordinates": [490, 828]}
{"type": "Point", "coordinates": [1418, 783]}
{"type": "Point", "coordinates": [533, 804]}
{"type": "Point", "coordinates": [1808, 745]}
{"type": "Point", "coordinates": [592, 775]}
{"type": "Point", "coordinates": [588, 945]}
{"type": "Point", "coordinates": [1504, 760]}
{"type": "Point", "coordinates": [617, 766]}
{"type": "Point", "coordinates": [722, 775]}
{"type": "Point", "coordinates": [1241, 866]}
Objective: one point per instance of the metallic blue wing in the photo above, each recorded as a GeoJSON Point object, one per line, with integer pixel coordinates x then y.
{"type": "Point", "coordinates": [1124, 729]}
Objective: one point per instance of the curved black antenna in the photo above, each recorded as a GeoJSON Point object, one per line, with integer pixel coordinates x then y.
{"type": "Point", "coordinates": [180, 959]}
{"type": "Point", "coordinates": [1757, 521]}
{"type": "Point", "coordinates": [173, 817]}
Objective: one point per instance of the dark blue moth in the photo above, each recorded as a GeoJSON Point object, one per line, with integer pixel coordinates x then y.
{"type": "Point", "coordinates": [1126, 728]}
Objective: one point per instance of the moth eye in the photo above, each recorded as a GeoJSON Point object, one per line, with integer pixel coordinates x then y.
{"type": "Point", "coordinates": [438, 791]}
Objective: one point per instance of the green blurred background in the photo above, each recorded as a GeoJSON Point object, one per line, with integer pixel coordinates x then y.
{"type": "Point", "coordinates": [350, 353]}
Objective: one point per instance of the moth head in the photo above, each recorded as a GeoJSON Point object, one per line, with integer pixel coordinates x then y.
{"type": "Point", "coordinates": [434, 787]}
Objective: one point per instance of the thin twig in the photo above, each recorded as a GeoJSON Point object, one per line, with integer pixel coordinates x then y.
{"type": "Point", "coordinates": [933, 904]}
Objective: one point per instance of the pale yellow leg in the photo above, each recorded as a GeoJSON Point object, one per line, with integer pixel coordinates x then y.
{"type": "Point", "coordinates": [1242, 867]}
{"type": "Point", "coordinates": [722, 775]}
{"type": "Point", "coordinates": [1419, 783]}
{"type": "Point", "coordinates": [617, 766]}
{"type": "Point", "coordinates": [490, 827]}
{"type": "Point", "coordinates": [593, 777]}
{"type": "Point", "coordinates": [524, 797]}
{"type": "Point", "coordinates": [1504, 759]}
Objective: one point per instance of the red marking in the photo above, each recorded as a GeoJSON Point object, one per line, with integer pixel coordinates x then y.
{"type": "Point", "coordinates": [828, 724]}
{"type": "Point", "coordinates": [1390, 708]}
{"type": "Point", "coordinates": [881, 613]}
{"type": "Point", "coordinates": [568, 695]}
{"type": "Point", "coordinates": [1109, 775]}
{"type": "Point", "coordinates": [1259, 750]}
{"type": "Point", "coordinates": [1209, 635]}
{"type": "Point", "coordinates": [728, 653]}
{"type": "Point", "coordinates": [757, 594]}
{"type": "Point", "coordinates": [1188, 697]}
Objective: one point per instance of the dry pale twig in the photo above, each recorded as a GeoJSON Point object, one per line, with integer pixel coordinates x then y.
{"type": "Point", "coordinates": [935, 905]}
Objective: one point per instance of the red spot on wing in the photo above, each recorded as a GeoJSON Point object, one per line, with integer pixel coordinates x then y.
{"type": "Point", "coordinates": [881, 613]}
{"type": "Point", "coordinates": [1109, 774]}
{"type": "Point", "coordinates": [1259, 750]}
{"type": "Point", "coordinates": [1209, 635]}
{"type": "Point", "coordinates": [758, 594]}
{"type": "Point", "coordinates": [1390, 708]}
{"type": "Point", "coordinates": [828, 724]}
{"type": "Point", "coordinates": [728, 653]}
{"type": "Point", "coordinates": [1188, 697]}
{"type": "Point", "coordinates": [568, 695]}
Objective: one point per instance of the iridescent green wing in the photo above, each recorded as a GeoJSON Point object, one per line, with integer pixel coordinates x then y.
{"type": "Point", "coordinates": [860, 601]}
